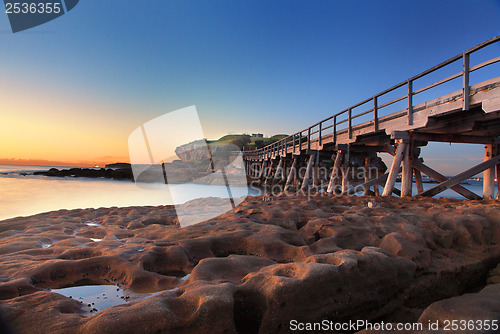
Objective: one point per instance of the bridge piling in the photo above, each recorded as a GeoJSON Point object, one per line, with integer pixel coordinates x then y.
{"type": "Point", "coordinates": [470, 114]}
{"type": "Point", "coordinates": [269, 172]}
{"type": "Point", "coordinates": [407, 174]}
{"type": "Point", "coordinates": [307, 176]}
{"type": "Point", "coordinates": [334, 178]}
{"type": "Point", "coordinates": [291, 174]}
{"type": "Point", "coordinates": [489, 174]}
{"type": "Point", "coordinates": [396, 163]}
{"type": "Point", "coordinates": [315, 172]}
{"type": "Point", "coordinates": [279, 169]}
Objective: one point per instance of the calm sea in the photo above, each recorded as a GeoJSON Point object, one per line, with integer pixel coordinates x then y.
{"type": "Point", "coordinates": [22, 194]}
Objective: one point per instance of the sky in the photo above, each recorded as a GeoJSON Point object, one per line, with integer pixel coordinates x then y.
{"type": "Point", "coordinates": [74, 89]}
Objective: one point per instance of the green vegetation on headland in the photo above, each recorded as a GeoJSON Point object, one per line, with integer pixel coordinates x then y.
{"type": "Point", "coordinates": [243, 140]}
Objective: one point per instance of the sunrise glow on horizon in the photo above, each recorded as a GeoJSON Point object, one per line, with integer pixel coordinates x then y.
{"type": "Point", "coordinates": [93, 79]}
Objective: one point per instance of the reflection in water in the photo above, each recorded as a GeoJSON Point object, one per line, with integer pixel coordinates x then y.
{"type": "Point", "coordinates": [96, 298]}
{"type": "Point", "coordinates": [29, 195]}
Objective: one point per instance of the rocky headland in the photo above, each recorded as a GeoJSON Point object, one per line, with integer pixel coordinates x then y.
{"type": "Point", "coordinates": [255, 268]}
{"type": "Point", "coordinates": [198, 163]}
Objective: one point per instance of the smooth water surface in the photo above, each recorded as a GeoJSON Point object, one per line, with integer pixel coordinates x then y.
{"type": "Point", "coordinates": [24, 195]}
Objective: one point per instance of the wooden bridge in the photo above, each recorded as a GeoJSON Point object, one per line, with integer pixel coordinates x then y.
{"type": "Point", "coordinates": [350, 140]}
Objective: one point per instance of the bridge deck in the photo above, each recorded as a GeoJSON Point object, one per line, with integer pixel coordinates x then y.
{"type": "Point", "coordinates": [471, 114]}
{"type": "Point", "coordinates": [443, 115]}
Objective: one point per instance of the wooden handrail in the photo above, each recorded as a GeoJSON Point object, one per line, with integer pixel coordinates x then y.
{"type": "Point", "coordinates": [409, 83]}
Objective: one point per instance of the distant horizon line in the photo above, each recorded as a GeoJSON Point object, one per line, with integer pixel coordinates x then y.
{"type": "Point", "coordinates": [42, 162]}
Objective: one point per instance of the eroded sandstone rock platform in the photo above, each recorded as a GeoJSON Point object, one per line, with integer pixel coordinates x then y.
{"type": "Point", "coordinates": [254, 269]}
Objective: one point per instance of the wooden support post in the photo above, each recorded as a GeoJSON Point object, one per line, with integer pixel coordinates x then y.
{"type": "Point", "coordinates": [488, 175]}
{"type": "Point", "coordinates": [269, 172]}
{"type": "Point", "coordinates": [335, 171]}
{"type": "Point", "coordinates": [283, 171]}
{"type": "Point", "coordinates": [418, 180]}
{"type": "Point", "coordinates": [315, 172]}
{"type": "Point", "coordinates": [291, 175]}
{"type": "Point", "coordinates": [410, 103]}
{"type": "Point", "coordinates": [305, 182]}
{"type": "Point", "coordinates": [498, 181]}
{"type": "Point", "coordinates": [367, 164]}
{"type": "Point", "coordinates": [279, 169]}
{"type": "Point", "coordinates": [465, 82]}
{"type": "Point", "coordinates": [417, 164]}
{"type": "Point", "coordinates": [262, 168]}
{"type": "Point", "coordinates": [320, 138]}
{"type": "Point", "coordinates": [407, 174]}
{"type": "Point", "coordinates": [345, 183]}
{"type": "Point", "coordinates": [497, 152]}
{"type": "Point", "coordinates": [349, 120]}
{"type": "Point", "coordinates": [396, 163]}
{"type": "Point", "coordinates": [334, 129]}
{"type": "Point", "coordinates": [309, 139]}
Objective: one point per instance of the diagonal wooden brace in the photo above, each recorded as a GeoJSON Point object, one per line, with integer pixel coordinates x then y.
{"type": "Point", "coordinates": [461, 177]}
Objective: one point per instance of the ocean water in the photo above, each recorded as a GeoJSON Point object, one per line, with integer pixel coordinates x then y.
{"type": "Point", "coordinates": [22, 194]}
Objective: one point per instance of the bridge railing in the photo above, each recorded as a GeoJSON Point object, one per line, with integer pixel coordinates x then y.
{"type": "Point", "coordinates": [330, 126]}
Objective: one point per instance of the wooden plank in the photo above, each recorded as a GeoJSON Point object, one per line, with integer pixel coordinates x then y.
{"type": "Point", "coordinates": [451, 138]}
{"type": "Point", "coordinates": [461, 177]}
{"type": "Point", "coordinates": [393, 174]}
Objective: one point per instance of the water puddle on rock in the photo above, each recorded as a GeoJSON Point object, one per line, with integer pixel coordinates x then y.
{"type": "Point", "coordinates": [95, 298]}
